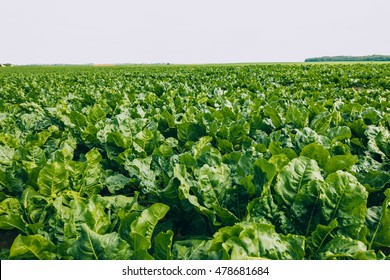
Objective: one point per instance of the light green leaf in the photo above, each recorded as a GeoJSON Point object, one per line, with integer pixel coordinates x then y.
{"type": "Point", "coordinates": [96, 113]}
{"type": "Point", "coordinates": [6, 155]}
{"type": "Point", "coordinates": [52, 179]}
{"type": "Point", "coordinates": [93, 246]}
{"type": "Point", "coordinates": [11, 215]}
{"type": "Point", "coordinates": [33, 247]}
{"type": "Point", "coordinates": [298, 117]}
{"type": "Point", "coordinates": [162, 246]}
{"type": "Point", "coordinates": [340, 162]}
{"type": "Point", "coordinates": [142, 229]}
{"type": "Point", "coordinates": [145, 224]}
{"type": "Point", "coordinates": [317, 152]}
{"type": "Point", "coordinates": [321, 122]}
{"type": "Point", "coordinates": [273, 113]}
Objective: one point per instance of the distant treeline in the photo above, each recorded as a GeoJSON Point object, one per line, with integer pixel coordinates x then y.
{"type": "Point", "coordinates": [374, 57]}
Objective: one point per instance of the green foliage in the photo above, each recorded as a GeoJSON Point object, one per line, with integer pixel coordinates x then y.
{"type": "Point", "coordinates": [195, 162]}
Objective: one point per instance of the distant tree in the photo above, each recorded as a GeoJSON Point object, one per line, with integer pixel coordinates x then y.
{"type": "Point", "coordinates": [374, 57]}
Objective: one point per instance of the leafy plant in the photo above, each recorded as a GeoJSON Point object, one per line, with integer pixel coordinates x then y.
{"type": "Point", "coordinates": [195, 162]}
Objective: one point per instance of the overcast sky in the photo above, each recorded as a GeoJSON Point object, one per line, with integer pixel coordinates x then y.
{"type": "Point", "coordinates": [189, 31]}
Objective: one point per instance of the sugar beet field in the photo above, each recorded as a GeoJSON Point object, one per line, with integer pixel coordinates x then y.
{"type": "Point", "coordinates": [195, 162]}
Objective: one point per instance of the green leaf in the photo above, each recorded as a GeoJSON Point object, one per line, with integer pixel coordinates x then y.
{"type": "Point", "coordinates": [273, 113]}
{"type": "Point", "coordinates": [73, 211]}
{"type": "Point", "coordinates": [33, 247]}
{"type": "Point", "coordinates": [298, 117]}
{"type": "Point", "coordinates": [162, 246]}
{"type": "Point", "coordinates": [344, 199]}
{"type": "Point", "coordinates": [12, 179]}
{"type": "Point", "coordinates": [340, 162]}
{"type": "Point", "coordinates": [145, 224]}
{"type": "Point", "coordinates": [215, 191]}
{"type": "Point", "coordinates": [192, 249]}
{"type": "Point", "coordinates": [96, 113]}
{"type": "Point", "coordinates": [318, 238]}
{"type": "Point", "coordinates": [306, 208]}
{"type": "Point", "coordinates": [186, 193]}
{"type": "Point", "coordinates": [116, 182]}
{"type": "Point", "coordinates": [6, 155]}
{"type": "Point", "coordinates": [339, 133]}
{"type": "Point", "coordinates": [378, 143]}
{"type": "Point", "coordinates": [262, 208]}
{"type": "Point", "coordinates": [247, 240]}
{"type": "Point", "coordinates": [264, 173]}
{"type": "Point", "coordinates": [140, 245]}
{"type": "Point", "coordinates": [341, 247]}
{"type": "Point", "coordinates": [317, 152]}
{"type": "Point", "coordinates": [142, 229]}
{"type": "Point", "coordinates": [190, 131]}
{"type": "Point", "coordinates": [294, 176]}
{"type": "Point", "coordinates": [93, 246]}
{"type": "Point", "coordinates": [11, 215]}
{"type": "Point", "coordinates": [119, 140]}
{"type": "Point", "coordinates": [92, 176]}
{"type": "Point", "coordinates": [52, 179]}
{"type": "Point", "coordinates": [374, 180]}
{"type": "Point", "coordinates": [321, 122]}
{"type": "Point", "coordinates": [378, 220]}
{"type": "Point", "coordinates": [140, 169]}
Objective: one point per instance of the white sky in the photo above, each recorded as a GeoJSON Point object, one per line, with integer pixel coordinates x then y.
{"type": "Point", "coordinates": [202, 31]}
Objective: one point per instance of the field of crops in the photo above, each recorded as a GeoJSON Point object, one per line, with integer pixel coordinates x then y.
{"type": "Point", "coordinates": [195, 162]}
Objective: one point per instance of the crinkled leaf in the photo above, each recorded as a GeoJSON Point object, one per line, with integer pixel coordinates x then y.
{"type": "Point", "coordinates": [140, 169]}
{"type": "Point", "coordinates": [294, 176]}
{"type": "Point", "coordinates": [185, 192]}
{"type": "Point", "coordinates": [341, 247]}
{"type": "Point", "coordinates": [116, 182]}
{"type": "Point", "coordinates": [247, 240]}
{"type": "Point", "coordinates": [93, 246]}
{"type": "Point", "coordinates": [318, 238]}
{"type": "Point", "coordinates": [192, 249]}
{"type": "Point", "coordinates": [6, 155]}
{"type": "Point", "coordinates": [215, 191]}
{"type": "Point", "coordinates": [11, 215]}
{"type": "Point", "coordinates": [344, 199]}
{"type": "Point", "coordinates": [339, 133]}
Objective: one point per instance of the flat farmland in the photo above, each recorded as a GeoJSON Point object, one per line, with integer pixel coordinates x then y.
{"type": "Point", "coordinates": [262, 161]}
